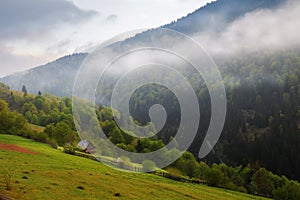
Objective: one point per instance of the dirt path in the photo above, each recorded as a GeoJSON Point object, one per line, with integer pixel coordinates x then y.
{"type": "Point", "coordinates": [12, 147]}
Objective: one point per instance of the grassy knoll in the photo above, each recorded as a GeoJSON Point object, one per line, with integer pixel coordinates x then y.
{"type": "Point", "coordinates": [52, 174]}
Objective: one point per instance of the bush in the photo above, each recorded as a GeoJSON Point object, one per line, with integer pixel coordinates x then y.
{"type": "Point", "coordinates": [290, 191]}
{"type": "Point", "coordinates": [262, 183]}
{"type": "Point", "coordinates": [214, 176]}
{"type": "Point", "coordinates": [188, 165]}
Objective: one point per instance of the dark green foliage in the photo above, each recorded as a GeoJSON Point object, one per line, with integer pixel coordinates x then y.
{"type": "Point", "coordinates": [214, 176]}
{"type": "Point", "coordinates": [188, 165]}
{"type": "Point", "coordinates": [262, 183]}
{"type": "Point", "coordinates": [289, 191]}
{"type": "Point", "coordinates": [116, 137]}
{"type": "Point", "coordinates": [148, 145]}
{"type": "Point", "coordinates": [263, 97]}
{"type": "Point", "coordinates": [250, 180]}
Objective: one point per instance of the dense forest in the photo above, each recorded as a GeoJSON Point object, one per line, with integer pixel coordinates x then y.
{"type": "Point", "coordinates": [263, 111]}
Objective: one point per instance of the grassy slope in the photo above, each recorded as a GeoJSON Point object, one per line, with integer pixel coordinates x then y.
{"type": "Point", "coordinates": [55, 175]}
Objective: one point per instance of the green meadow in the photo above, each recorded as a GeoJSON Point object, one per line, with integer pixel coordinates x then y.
{"type": "Point", "coordinates": [52, 174]}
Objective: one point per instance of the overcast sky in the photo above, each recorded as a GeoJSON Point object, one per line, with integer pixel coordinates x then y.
{"type": "Point", "coordinates": [34, 32]}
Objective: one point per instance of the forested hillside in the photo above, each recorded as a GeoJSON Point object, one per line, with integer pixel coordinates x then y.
{"type": "Point", "coordinates": [263, 112]}
{"type": "Point", "coordinates": [19, 110]}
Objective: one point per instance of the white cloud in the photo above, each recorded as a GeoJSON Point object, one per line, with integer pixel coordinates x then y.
{"type": "Point", "coordinates": [259, 30]}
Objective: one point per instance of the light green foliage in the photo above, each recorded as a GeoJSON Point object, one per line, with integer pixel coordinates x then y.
{"type": "Point", "coordinates": [61, 133]}
{"type": "Point", "coordinates": [10, 122]}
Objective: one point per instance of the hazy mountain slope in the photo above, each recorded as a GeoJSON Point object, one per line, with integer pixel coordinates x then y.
{"type": "Point", "coordinates": [217, 15]}
{"type": "Point", "coordinates": [58, 77]}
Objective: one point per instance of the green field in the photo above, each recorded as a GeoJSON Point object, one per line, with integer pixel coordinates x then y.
{"type": "Point", "coordinates": [52, 174]}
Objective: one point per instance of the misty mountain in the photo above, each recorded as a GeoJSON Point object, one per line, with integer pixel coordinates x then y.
{"type": "Point", "coordinates": [58, 77]}
{"type": "Point", "coordinates": [216, 16]}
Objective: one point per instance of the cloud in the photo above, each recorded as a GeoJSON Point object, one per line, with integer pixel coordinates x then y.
{"type": "Point", "coordinates": [34, 18]}
{"type": "Point", "coordinates": [259, 30]}
{"type": "Point", "coordinates": [13, 62]}
{"type": "Point", "coordinates": [32, 31]}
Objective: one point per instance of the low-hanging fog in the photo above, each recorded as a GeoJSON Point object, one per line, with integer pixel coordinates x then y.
{"type": "Point", "coordinates": [263, 29]}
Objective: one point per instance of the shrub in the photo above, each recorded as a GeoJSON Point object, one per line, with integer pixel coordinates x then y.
{"type": "Point", "coordinates": [262, 183]}
{"type": "Point", "coordinates": [214, 176]}
{"type": "Point", "coordinates": [290, 191]}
